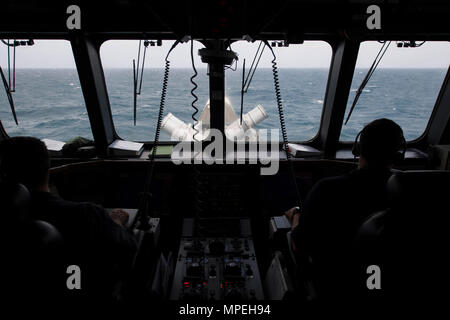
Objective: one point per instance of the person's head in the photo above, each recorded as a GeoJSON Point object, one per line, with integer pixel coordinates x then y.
{"type": "Point", "coordinates": [25, 160]}
{"type": "Point", "coordinates": [381, 144]}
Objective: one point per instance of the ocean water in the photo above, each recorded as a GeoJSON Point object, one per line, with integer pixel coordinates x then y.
{"type": "Point", "coordinates": [49, 102]}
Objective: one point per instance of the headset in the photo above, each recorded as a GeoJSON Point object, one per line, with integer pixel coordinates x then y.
{"type": "Point", "coordinates": [399, 154]}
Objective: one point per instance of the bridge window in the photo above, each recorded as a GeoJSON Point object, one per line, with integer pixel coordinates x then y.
{"type": "Point", "coordinates": [403, 88]}
{"type": "Point", "coordinates": [48, 98]}
{"type": "Point", "coordinates": [303, 73]}
{"type": "Point", "coordinates": [117, 59]}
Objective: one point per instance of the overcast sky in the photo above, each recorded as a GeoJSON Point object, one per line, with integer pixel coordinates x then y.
{"type": "Point", "coordinates": [313, 54]}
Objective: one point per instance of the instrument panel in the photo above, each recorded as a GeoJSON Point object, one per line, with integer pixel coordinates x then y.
{"type": "Point", "coordinates": [216, 268]}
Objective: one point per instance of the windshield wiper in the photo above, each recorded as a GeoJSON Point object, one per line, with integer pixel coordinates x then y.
{"type": "Point", "coordinates": [366, 79]}
{"type": "Point", "coordinates": [136, 78]}
{"type": "Point", "coordinates": [9, 95]}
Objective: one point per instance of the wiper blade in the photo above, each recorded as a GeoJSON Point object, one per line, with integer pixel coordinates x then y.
{"type": "Point", "coordinates": [366, 79]}
{"type": "Point", "coordinates": [253, 67]}
{"type": "Point", "coordinates": [9, 95]}
{"type": "Point", "coordinates": [136, 78]}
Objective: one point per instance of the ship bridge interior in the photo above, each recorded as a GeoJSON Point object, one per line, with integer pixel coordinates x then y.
{"type": "Point", "coordinates": [216, 206]}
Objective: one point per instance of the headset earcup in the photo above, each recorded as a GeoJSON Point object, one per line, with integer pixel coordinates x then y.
{"type": "Point", "coordinates": [355, 149]}
{"type": "Point", "coordinates": [400, 155]}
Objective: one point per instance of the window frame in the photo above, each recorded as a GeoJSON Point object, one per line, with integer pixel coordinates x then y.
{"type": "Point", "coordinates": [57, 37]}
{"type": "Point", "coordinates": [418, 141]}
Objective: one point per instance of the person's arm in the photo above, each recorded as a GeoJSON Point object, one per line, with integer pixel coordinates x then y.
{"type": "Point", "coordinates": [293, 216]}
{"type": "Point", "coordinates": [304, 222]}
{"type": "Point", "coordinates": [119, 242]}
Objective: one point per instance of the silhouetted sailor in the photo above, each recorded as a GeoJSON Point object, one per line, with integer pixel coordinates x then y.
{"type": "Point", "coordinates": [336, 207]}
{"type": "Point", "coordinates": [96, 241]}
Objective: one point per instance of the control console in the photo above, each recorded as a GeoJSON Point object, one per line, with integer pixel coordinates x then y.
{"type": "Point", "coordinates": [216, 267]}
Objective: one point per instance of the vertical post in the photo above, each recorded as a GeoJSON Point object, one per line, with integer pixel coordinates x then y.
{"type": "Point", "coordinates": [439, 124]}
{"type": "Point", "coordinates": [92, 80]}
{"type": "Point", "coordinates": [336, 96]}
{"type": "Point", "coordinates": [217, 57]}
{"type": "Point", "coordinates": [217, 96]}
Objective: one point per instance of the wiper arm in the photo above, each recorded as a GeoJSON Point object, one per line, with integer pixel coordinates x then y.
{"type": "Point", "coordinates": [366, 79]}
{"type": "Point", "coordinates": [9, 95]}
{"type": "Point", "coordinates": [253, 67]}
{"type": "Point", "coordinates": [136, 77]}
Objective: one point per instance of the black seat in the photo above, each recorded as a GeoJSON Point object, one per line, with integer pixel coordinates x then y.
{"type": "Point", "coordinates": [33, 256]}
{"type": "Point", "coordinates": [409, 240]}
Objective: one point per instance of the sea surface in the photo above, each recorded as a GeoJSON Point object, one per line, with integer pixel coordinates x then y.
{"type": "Point", "coordinates": [50, 104]}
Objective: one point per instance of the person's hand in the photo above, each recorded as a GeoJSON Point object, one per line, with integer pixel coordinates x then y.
{"type": "Point", "coordinates": [292, 215]}
{"type": "Point", "coordinates": [119, 216]}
